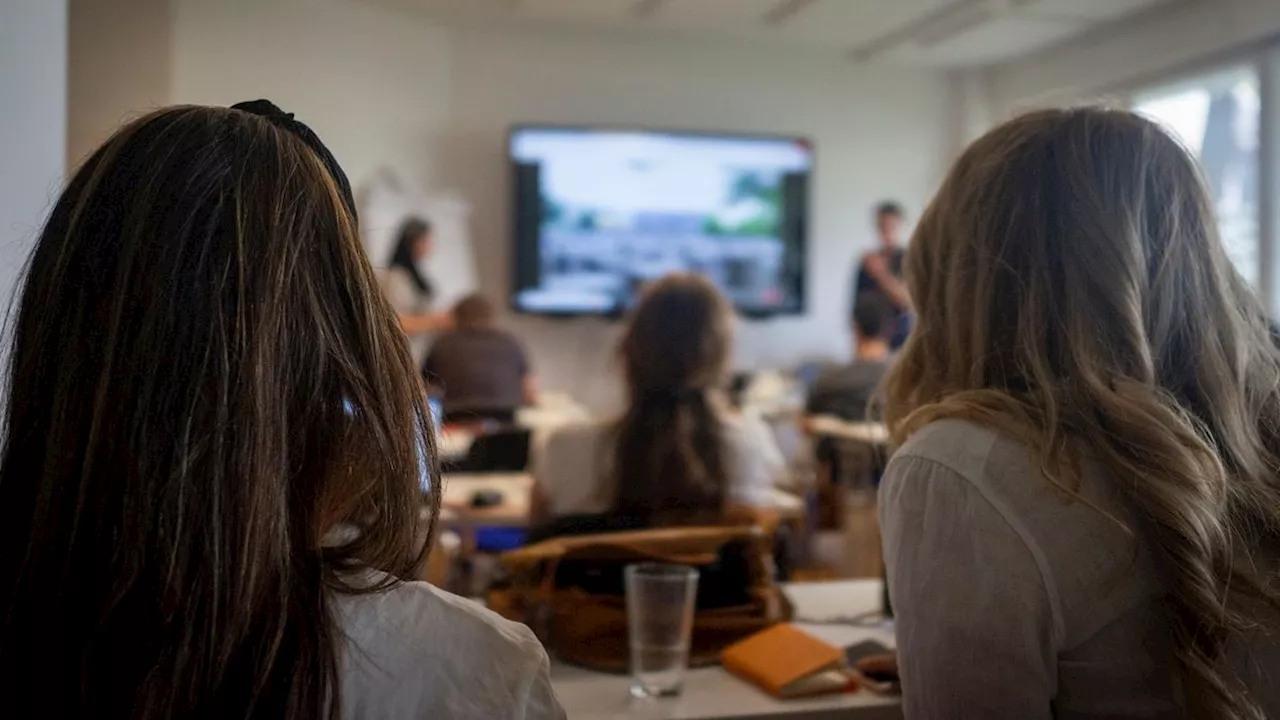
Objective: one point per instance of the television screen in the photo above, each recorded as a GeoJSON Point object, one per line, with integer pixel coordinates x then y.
{"type": "Point", "coordinates": [598, 213]}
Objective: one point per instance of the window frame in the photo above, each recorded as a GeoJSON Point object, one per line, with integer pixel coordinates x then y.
{"type": "Point", "coordinates": [1263, 59]}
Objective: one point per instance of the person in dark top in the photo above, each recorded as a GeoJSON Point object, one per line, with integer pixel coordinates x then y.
{"type": "Point", "coordinates": [879, 273]}
{"type": "Point", "coordinates": [846, 391]}
{"type": "Point", "coordinates": [481, 369]}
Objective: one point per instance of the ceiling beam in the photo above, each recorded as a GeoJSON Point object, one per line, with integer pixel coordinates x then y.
{"type": "Point", "coordinates": [645, 9]}
{"type": "Point", "coordinates": [957, 26]}
{"type": "Point", "coordinates": [923, 24]}
{"type": "Point", "coordinates": [786, 10]}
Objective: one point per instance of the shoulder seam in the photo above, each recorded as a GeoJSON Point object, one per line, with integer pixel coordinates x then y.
{"type": "Point", "coordinates": [1020, 529]}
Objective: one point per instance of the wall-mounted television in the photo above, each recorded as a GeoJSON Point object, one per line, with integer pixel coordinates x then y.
{"type": "Point", "coordinates": [598, 212]}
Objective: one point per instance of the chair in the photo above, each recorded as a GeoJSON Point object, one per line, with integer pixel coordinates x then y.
{"type": "Point", "coordinates": [504, 416]}
{"type": "Point", "coordinates": [849, 474]}
{"type": "Point", "coordinates": [438, 568]}
{"type": "Point", "coordinates": [571, 589]}
{"type": "Point", "coordinates": [503, 450]}
{"type": "Point", "coordinates": [585, 524]}
{"type": "Point", "coordinates": [782, 537]}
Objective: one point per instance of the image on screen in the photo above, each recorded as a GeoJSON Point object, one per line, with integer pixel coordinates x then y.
{"type": "Point", "coordinates": [601, 212]}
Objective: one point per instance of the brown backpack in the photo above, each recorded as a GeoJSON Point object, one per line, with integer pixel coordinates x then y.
{"type": "Point", "coordinates": [570, 590]}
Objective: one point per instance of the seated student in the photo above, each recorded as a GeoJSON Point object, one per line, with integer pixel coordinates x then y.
{"type": "Point", "coordinates": [482, 369]}
{"type": "Point", "coordinates": [846, 391]}
{"type": "Point", "coordinates": [209, 490]}
{"type": "Point", "coordinates": [679, 453]}
{"type": "Point", "coordinates": [1083, 518]}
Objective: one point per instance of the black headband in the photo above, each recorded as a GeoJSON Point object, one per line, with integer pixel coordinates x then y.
{"type": "Point", "coordinates": [281, 119]}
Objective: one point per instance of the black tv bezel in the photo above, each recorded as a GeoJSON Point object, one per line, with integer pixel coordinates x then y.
{"type": "Point", "coordinates": [800, 309]}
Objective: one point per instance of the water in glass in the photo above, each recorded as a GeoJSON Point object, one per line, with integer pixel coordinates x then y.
{"type": "Point", "coordinates": [660, 606]}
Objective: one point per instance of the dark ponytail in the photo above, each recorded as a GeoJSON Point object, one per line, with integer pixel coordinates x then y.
{"type": "Point", "coordinates": [668, 461]}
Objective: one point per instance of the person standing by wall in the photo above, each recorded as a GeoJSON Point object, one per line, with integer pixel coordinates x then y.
{"type": "Point", "coordinates": [409, 291]}
{"type": "Point", "coordinates": [879, 276]}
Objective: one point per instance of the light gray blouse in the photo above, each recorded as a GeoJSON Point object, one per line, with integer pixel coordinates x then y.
{"type": "Point", "coordinates": [1013, 600]}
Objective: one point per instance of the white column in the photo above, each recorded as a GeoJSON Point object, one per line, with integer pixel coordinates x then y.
{"type": "Point", "coordinates": [33, 127]}
{"type": "Point", "coordinates": [972, 112]}
{"type": "Point", "coordinates": [120, 63]}
{"type": "Point", "coordinates": [1269, 179]}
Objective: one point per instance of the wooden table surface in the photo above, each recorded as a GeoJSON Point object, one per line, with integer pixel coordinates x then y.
{"type": "Point", "coordinates": [873, 433]}
{"type": "Point", "coordinates": [713, 693]}
{"type": "Point", "coordinates": [516, 490]}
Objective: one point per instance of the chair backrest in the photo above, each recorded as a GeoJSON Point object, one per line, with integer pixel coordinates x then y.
{"type": "Point", "coordinates": [499, 451]}
{"type": "Point", "coordinates": [585, 524]}
{"type": "Point", "coordinates": [579, 580]}
{"type": "Point", "coordinates": [678, 543]}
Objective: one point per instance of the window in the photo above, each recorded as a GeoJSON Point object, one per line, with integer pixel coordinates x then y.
{"type": "Point", "coordinates": [1217, 116]}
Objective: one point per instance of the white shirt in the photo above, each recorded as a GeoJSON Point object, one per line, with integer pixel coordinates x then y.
{"type": "Point", "coordinates": [572, 467]}
{"type": "Point", "coordinates": [418, 652]}
{"type": "Point", "coordinates": [406, 299]}
{"type": "Point", "coordinates": [1013, 600]}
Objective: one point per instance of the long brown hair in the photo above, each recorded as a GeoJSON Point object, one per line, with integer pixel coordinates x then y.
{"type": "Point", "coordinates": [1073, 292]}
{"type": "Point", "coordinates": [205, 380]}
{"type": "Point", "coordinates": [668, 460]}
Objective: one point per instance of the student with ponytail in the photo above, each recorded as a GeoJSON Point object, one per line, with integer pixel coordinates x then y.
{"type": "Point", "coordinates": [679, 454]}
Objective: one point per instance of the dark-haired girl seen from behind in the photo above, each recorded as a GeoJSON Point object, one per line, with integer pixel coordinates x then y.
{"type": "Point", "coordinates": [209, 493]}
{"type": "Point", "coordinates": [1082, 519]}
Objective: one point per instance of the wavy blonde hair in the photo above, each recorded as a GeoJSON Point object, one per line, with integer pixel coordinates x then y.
{"type": "Point", "coordinates": [1073, 292]}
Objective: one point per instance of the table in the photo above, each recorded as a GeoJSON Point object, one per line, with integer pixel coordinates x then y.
{"type": "Point", "coordinates": [848, 532]}
{"type": "Point", "coordinates": [453, 444]}
{"type": "Point", "coordinates": [872, 433]}
{"type": "Point", "coordinates": [517, 493]}
{"type": "Point", "coordinates": [789, 505]}
{"type": "Point", "coordinates": [713, 693]}
{"type": "Point", "coordinates": [515, 509]}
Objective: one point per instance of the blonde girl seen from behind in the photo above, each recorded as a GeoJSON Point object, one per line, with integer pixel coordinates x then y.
{"type": "Point", "coordinates": [1081, 520]}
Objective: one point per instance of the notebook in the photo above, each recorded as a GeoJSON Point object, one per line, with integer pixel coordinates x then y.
{"type": "Point", "coordinates": [787, 662]}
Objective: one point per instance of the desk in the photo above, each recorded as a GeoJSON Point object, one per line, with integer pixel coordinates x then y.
{"type": "Point", "coordinates": [788, 505]}
{"type": "Point", "coordinates": [517, 500]}
{"type": "Point", "coordinates": [850, 458]}
{"type": "Point", "coordinates": [453, 444]}
{"type": "Point", "coordinates": [872, 433]}
{"type": "Point", "coordinates": [713, 693]}
{"type": "Point", "coordinates": [514, 510]}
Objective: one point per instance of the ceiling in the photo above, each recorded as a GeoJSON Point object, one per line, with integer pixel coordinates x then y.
{"type": "Point", "coordinates": [943, 33]}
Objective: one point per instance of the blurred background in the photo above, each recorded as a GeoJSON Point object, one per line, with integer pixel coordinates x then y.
{"type": "Point", "coordinates": [418, 97]}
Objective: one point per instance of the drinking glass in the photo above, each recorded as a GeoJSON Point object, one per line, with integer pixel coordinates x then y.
{"type": "Point", "coordinates": [660, 604]}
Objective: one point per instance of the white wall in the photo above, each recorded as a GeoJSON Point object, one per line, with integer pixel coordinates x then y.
{"type": "Point", "coordinates": [435, 103]}
{"type": "Point", "coordinates": [119, 67]}
{"type": "Point", "coordinates": [971, 106]}
{"type": "Point", "coordinates": [1147, 49]}
{"type": "Point", "coordinates": [374, 84]}
{"type": "Point", "coordinates": [33, 124]}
